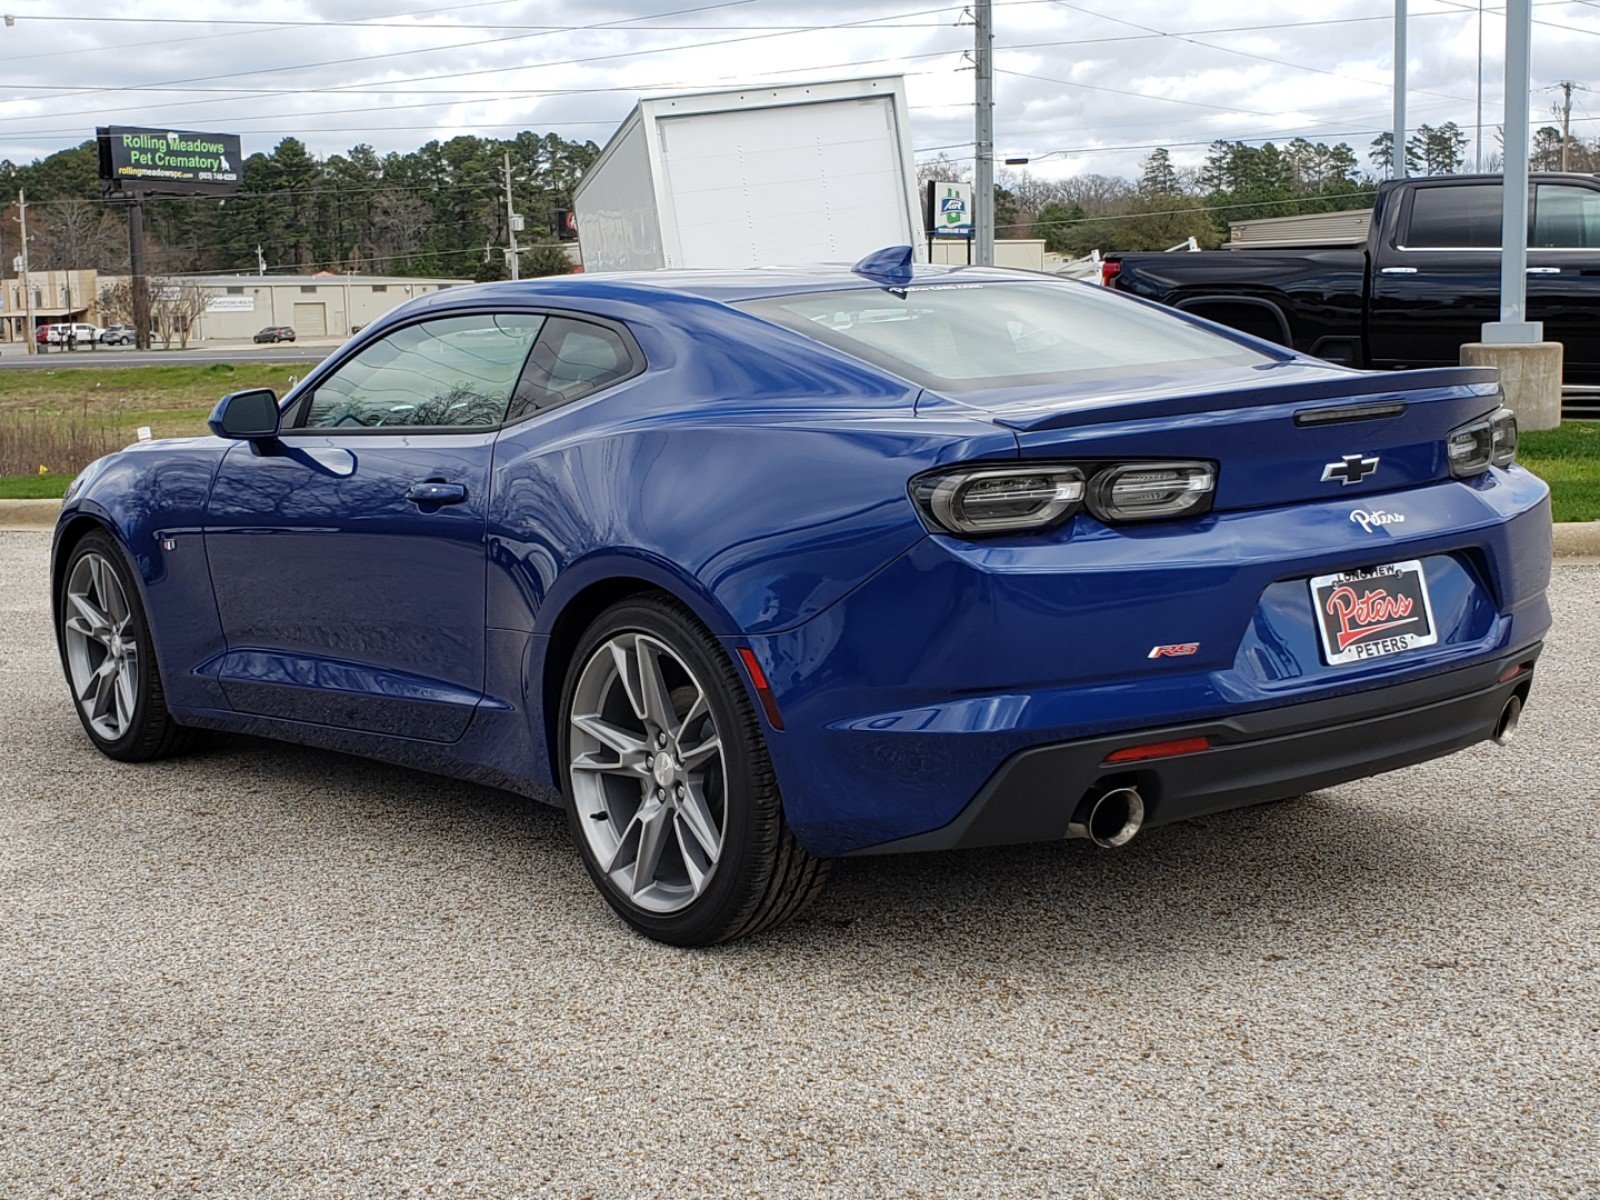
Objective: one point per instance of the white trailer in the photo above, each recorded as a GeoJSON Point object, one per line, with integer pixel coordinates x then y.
{"type": "Point", "coordinates": [803, 173]}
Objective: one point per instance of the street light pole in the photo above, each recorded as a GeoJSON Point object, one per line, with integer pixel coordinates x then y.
{"type": "Point", "coordinates": [1530, 367]}
{"type": "Point", "coordinates": [1513, 325]}
{"type": "Point", "coordinates": [1397, 144]}
{"type": "Point", "coordinates": [983, 135]}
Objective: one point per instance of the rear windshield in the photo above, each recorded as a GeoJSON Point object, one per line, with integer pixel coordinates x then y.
{"type": "Point", "coordinates": [955, 336]}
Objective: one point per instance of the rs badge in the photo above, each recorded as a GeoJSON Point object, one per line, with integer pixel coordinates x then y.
{"type": "Point", "coordinates": [1176, 650]}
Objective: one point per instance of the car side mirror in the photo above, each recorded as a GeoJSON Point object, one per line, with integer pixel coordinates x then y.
{"type": "Point", "coordinates": [244, 415]}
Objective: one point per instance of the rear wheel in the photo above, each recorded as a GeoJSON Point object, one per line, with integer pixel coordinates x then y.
{"type": "Point", "coordinates": [670, 794]}
{"type": "Point", "coordinates": [108, 656]}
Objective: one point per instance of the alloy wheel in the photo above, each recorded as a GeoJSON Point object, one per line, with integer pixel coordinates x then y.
{"type": "Point", "coordinates": [102, 651]}
{"type": "Point", "coordinates": [647, 772]}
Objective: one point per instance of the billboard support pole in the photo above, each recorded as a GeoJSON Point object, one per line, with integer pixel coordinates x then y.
{"type": "Point", "coordinates": [137, 277]}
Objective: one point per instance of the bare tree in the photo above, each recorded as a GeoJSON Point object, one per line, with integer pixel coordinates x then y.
{"type": "Point", "coordinates": [175, 306]}
{"type": "Point", "coordinates": [403, 223]}
{"type": "Point", "coordinates": [74, 235]}
{"type": "Point", "coordinates": [116, 303]}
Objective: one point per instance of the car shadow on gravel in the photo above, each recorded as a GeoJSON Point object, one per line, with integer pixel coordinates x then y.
{"type": "Point", "coordinates": [1235, 882]}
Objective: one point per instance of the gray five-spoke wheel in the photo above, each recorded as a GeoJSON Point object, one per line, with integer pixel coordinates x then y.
{"type": "Point", "coordinates": [647, 772]}
{"type": "Point", "coordinates": [102, 651]}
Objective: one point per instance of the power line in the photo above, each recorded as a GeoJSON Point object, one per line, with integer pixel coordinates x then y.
{"type": "Point", "coordinates": [1095, 87]}
{"type": "Point", "coordinates": [367, 58]}
{"type": "Point", "coordinates": [1194, 41]}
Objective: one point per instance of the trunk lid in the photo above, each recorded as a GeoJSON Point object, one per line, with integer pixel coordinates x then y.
{"type": "Point", "coordinates": [1274, 431]}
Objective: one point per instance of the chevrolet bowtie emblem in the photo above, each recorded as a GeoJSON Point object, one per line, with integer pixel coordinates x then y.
{"type": "Point", "coordinates": [1352, 468]}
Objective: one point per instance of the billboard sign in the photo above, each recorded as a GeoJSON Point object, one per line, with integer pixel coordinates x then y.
{"type": "Point", "coordinates": [949, 210]}
{"type": "Point", "coordinates": [169, 160]}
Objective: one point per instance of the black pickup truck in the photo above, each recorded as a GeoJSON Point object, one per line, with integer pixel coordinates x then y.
{"type": "Point", "coordinates": [1424, 283]}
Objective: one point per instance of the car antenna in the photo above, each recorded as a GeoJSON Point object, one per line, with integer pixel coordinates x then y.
{"type": "Point", "coordinates": [890, 266]}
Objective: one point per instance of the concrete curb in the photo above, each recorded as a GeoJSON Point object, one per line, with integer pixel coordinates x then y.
{"type": "Point", "coordinates": [1573, 539]}
{"type": "Point", "coordinates": [1578, 539]}
{"type": "Point", "coordinates": [29, 514]}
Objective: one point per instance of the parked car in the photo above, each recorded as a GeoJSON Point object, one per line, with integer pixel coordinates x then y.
{"type": "Point", "coordinates": [762, 569]}
{"type": "Point", "coordinates": [64, 334]}
{"type": "Point", "coordinates": [117, 335]}
{"type": "Point", "coordinates": [1424, 282]}
{"type": "Point", "coordinates": [41, 334]}
{"type": "Point", "coordinates": [275, 333]}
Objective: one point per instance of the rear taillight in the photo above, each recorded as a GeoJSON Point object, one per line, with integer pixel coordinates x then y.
{"type": "Point", "coordinates": [1151, 491]}
{"type": "Point", "coordinates": [1000, 499]}
{"type": "Point", "coordinates": [1109, 269]}
{"type": "Point", "coordinates": [1029, 498]}
{"type": "Point", "coordinates": [1476, 446]}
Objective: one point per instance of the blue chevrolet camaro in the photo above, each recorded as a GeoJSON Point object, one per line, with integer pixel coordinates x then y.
{"type": "Point", "coordinates": [759, 569]}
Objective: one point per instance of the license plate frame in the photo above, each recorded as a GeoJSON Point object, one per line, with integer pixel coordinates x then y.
{"type": "Point", "coordinates": [1373, 612]}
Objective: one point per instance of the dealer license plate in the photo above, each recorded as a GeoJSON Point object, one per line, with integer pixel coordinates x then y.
{"type": "Point", "coordinates": [1373, 612]}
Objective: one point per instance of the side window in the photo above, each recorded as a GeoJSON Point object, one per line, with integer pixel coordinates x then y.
{"type": "Point", "coordinates": [1566, 216]}
{"type": "Point", "coordinates": [451, 373]}
{"type": "Point", "coordinates": [571, 359]}
{"type": "Point", "coordinates": [1452, 217]}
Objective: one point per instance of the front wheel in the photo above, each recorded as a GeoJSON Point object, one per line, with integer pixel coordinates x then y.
{"type": "Point", "coordinates": [109, 659]}
{"type": "Point", "coordinates": [670, 793]}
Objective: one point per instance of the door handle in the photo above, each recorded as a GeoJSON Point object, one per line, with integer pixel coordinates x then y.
{"type": "Point", "coordinates": [1544, 270]}
{"type": "Point", "coordinates": [435, 491]}
{"type": "Point", "coordinates": [1397, 271]}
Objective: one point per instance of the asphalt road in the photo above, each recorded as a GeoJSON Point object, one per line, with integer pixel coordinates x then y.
{"type": "Point", "coordinates": [262, 971]}
{"type": "Point", "coordinates": [15, 358]}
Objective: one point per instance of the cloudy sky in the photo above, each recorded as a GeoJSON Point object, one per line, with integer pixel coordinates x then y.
{"type": "Point", "coordinates": [1093, 84]}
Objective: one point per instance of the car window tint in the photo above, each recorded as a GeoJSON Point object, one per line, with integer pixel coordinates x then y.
{"type": "Point", "coordinates": [452, 373]}
{"type": "Point", "coordinates": [1458, 216]}
{"type": "Point", "coordinates": [1566, 216]}
{"type": "Point", "coordinates": [571, 359]}
{"type": "Point", "coordinates": [971, 335]}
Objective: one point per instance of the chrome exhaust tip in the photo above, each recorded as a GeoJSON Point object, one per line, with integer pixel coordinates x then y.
{"type": "Point", "coordinates": [1110, 819]}
{"type": "Point", "coordinates": [1510, 717]}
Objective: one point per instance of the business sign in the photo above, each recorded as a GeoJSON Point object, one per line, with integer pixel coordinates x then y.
{"type": "Point", "coordinates": [949, 210]}
{"type": "Point", "coordinates": [168, 160]}
{"type": "Point", "coordinates": [231, 304]}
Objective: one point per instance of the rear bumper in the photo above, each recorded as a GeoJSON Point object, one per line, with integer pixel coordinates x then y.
{"type": "Point", "coordinates": [1253, 757]}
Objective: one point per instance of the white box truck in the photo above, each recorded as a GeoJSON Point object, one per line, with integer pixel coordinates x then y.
{"type": "Point", "coordinates": [803, 173]}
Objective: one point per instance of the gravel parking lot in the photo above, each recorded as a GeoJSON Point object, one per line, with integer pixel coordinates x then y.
{"type": "Point", "coordinates": [267, 971]}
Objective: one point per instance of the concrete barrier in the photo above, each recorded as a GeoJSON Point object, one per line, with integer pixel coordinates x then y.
{"type": "Point", "coordinates": [1530, 375]}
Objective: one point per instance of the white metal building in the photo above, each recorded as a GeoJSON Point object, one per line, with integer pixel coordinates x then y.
{"type": "Point", "coordinates": [324, 305]}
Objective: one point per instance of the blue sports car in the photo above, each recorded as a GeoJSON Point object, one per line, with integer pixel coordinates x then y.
{"type": "Point", "coordinates": [758, 569]}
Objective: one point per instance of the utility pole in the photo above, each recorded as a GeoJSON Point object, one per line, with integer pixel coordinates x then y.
{"type": "Point", "coordinates": [512, 221]}
{"type": "Point", "coordinates": [1397, 145]}
{"type": "Point", "coordinates": [1566, 86]}
{"type": "Point", "coordinates": [27, 292]}
{"type": "Point", "coordinates": [261, 261]}
{"type": "Point", "coordinates": [983, 135]}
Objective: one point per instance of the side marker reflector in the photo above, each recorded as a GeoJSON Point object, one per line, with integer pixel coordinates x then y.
{"type": "Point", "coordinates": [758, 677]}
{"type": "Point", "coordinates": [1158, 750]}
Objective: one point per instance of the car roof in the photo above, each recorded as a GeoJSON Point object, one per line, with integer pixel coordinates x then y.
{"type": "Point", "coordinates": [724, 286]}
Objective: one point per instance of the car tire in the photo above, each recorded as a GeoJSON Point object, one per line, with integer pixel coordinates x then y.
{"type": "Point", "coordinates": [108, 656]}
{"type": "Point", "coordinates": [649, 779]}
